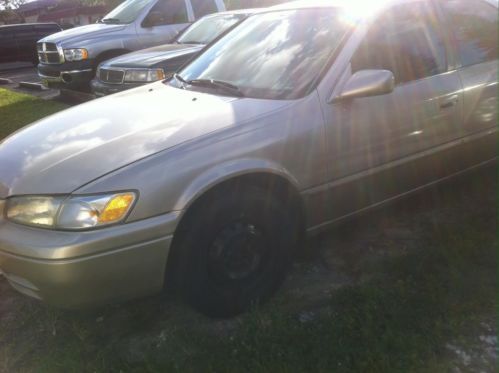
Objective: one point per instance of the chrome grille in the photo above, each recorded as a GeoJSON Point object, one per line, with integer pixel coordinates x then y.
{"type": "Point", "coordinates": [111, 76]}
{"type": "Point", "coordinates": [49, 54]}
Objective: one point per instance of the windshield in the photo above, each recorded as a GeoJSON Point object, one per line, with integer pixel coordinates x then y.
{"type": "Point", "coordinates": [126, 12]}
{"type": "Point", "coordinates": [208, 28]}
{"type": "Point", "coordinates": [277, 55]}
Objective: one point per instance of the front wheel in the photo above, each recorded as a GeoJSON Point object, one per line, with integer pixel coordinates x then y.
{"type": "Point", "coordinates": [235, 250]}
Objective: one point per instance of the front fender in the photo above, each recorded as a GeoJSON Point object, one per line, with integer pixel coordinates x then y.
{"type": "Point", "coordinates": [227, 171]}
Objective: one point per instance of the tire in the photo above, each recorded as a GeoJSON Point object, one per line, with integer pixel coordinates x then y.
{"type": "Point", "coordinates": [235, 250]}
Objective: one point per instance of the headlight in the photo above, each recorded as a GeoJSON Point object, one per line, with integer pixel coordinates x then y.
{"type": "Point", "coordinates": [77, 54]}
{"type": "Point", "coordinates": [78, 212]}
{"type": "Point", "coordinates": [145, 75]}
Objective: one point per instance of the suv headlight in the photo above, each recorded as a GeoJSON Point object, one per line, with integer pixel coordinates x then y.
{"type": "Point", "coordinates": [74, 212]}
{"type": "Point", "coordinates": [144, 75]}
{"type": "Point", "coordinates": [75, 54]}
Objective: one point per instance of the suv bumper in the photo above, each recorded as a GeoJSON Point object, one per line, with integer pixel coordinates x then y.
{"type": "Point", "coordinates": [81, 269]}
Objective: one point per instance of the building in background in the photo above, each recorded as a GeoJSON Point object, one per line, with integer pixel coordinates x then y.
{"type": "Point", "coordinates": [65, 13]}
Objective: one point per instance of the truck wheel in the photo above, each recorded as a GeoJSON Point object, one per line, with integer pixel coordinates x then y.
{"type": "Point", "coordinates": [235, 251]}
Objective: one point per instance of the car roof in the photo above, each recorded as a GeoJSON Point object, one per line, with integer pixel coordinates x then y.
{"type": "Point", "coordinates": [378, 4]}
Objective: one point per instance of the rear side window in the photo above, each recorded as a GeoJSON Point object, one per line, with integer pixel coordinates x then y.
{"type": "Point", "coordinates": [173, 11]}
{"type": "Point", "coordinates": [475, 29]}
{"type": "Point", "coordinates": [203, 7]}
{"type": "Point", "coordinates": [5, 35]}
{"type": "Point", "coordinates": [47, 29]}
{"type": "Point", "coordinates": [405, 40]}
{"type": "Point", "coordinates": [25, 33]}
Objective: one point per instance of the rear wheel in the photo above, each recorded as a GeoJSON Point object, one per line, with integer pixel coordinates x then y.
{"type": "Point", "coordinates": [234, 250]}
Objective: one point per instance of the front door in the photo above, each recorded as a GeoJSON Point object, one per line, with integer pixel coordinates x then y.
{"type": "Point", "coordinates": [380, 147]}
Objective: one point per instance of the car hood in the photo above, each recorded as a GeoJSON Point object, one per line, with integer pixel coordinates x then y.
{"type": "Point", "coordinates": [82, 33]}
{"type": "Point", "coordinates": [67, 150]}
{"type": "Point", "coordinates": [152, 56]}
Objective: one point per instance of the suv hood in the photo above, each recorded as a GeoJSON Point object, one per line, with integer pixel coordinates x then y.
{"type": "Point", "coordinates": [82, 33]}
{"type": "Point", "coordinates": [67, 150]}
{"type": "Point", "coordinates": [152, 56]}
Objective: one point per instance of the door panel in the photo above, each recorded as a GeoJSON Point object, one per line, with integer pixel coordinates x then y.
{"type": "Point", "coordinates": [473, 24]}
{"type": "Point", "coordinates": [383, 146]}
{"type": "Point", "coordinates": [372, 131]}
{"type": "Point", "coordinates": [8, 47]}
{"type": "Point", "coordinates": [26, 38]}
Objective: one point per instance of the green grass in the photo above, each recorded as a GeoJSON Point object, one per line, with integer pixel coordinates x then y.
{"type": "Point", "coordinates": [18, 110]}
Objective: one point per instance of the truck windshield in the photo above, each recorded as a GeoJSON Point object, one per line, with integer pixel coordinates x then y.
{"type": "Point", "coordinates": [275, 55]}
{"type": "Point", "coordinates": [126, 12]}
{"type": "Point", "coordinates": [208, 28]}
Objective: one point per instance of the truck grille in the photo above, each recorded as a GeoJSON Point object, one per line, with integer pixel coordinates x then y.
{"type": "Point", "coordinates": [49, 54]}
{"type": "Point", "coordinates": [111, 76]}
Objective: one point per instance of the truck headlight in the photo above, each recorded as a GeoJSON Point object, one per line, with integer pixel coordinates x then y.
{"type": "Point", "coordinates": [75, 54]}
{"type": "Point", "coordinates": [74, 212]}
{"type": "Point", "coordinates": [144, 75]}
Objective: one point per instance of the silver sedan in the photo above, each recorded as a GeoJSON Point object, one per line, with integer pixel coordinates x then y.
{"type": "Point", "coordinates": [302, 116]}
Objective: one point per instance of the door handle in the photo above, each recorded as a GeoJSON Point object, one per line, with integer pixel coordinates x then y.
{"type": "Point", "coordinates": [448, 102]}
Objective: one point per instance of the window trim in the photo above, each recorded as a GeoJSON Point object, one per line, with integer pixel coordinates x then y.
{"type": "Point", "coordinates": [186, 8]}
{"type": "Point", "coordinates": [449, 49]}
{"type": "Point", "coordinates": [454, 45]}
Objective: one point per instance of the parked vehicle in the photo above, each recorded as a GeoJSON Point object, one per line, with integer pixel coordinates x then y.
{"type": "Point", "coordinates": [302, 116]}
{"type": "Point", "coordinates": [18, 42]}
{"type": "Point", "coordinates": [70, 58]}
{"type": "Point", "coordinates": [147, 65]}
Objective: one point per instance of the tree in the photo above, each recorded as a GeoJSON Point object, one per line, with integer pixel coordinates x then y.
{"type": "Point", "coordinates": [8, 16]}
{"type": "Point", "coordinates": [11, 4]}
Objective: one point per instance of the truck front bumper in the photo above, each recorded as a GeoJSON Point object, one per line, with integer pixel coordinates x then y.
{"type": "Point", "coordinates": [81, 269]}
{"type": "Point", "coordinates": [67, 75]}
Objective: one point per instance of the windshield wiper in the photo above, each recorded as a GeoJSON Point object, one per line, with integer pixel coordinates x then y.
{"type": "Point", "coordinates": [180, 79]}
{"type": "Point", "coordinates": [110, 20]}
{"type": "Point", "coordinates": [210, 83]}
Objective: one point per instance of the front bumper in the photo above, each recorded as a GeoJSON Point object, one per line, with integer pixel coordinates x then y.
{"type": "Point", "coordinates": [67, 75]}
{"type": "Point", "coordinates": [103, 89]}
{"type": "Point", "coordinates": [81, 269]}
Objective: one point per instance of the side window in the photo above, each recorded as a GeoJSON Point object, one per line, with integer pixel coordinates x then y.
{"type": "Point", "coordinates": [5, 35]}
{"type": "Point", "coordinates": [172, 11]}
{"type": "Point", "coordinates": [203, 7]}
{"type": "Point", "coordinates": [46, 29]}
{"type": "Point", "coordinates": [405, 40]}
{"type": "Point", "coordinates": [25, 33]}
{"type": "Point", "coordinates": [474, 23]}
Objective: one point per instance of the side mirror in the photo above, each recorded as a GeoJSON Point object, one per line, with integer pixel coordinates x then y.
{"type": "Point", "coordinates": [365, 83]}
{"type": "Point", "coordinates": [154, 18]}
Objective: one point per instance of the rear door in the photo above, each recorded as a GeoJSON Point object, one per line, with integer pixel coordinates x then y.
{"type": "Point", "coordinates": [26, 38]}
{"type": "Point", "coordinates": [474, 27]}
{"type": "Point", "coordinates": [382, 146]}
{"type": "Point", "coordinates": [8, 46]}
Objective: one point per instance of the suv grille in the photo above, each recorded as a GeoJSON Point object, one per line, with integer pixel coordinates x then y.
{"type": "Point", "coordinates": [48, 53]}
{"type": "Point", "coordinates": [111, 76]}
